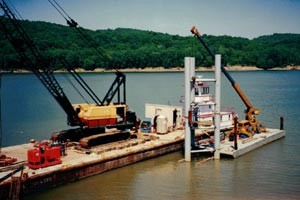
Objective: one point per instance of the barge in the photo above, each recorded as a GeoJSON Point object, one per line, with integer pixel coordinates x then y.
{"type": "Point", "coordinates": [165, 134]}
{"type": "Point", "coordinates": [80, 163]}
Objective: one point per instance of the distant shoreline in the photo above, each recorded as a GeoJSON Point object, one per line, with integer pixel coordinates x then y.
{"type": "Point", "coordinates": [161, 69]}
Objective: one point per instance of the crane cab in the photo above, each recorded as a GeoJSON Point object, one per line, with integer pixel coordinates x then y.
{"type": "Point", "coordinates": [92, 115]}
{"type": "Point", "coordinates": [244, 129]}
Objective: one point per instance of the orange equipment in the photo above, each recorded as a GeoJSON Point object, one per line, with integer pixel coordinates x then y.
{"type": "Point", "coordinates": [251, 125]}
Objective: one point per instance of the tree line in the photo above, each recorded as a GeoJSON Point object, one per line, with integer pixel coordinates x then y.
{"type": "Point", "coordinates": [132, 48]}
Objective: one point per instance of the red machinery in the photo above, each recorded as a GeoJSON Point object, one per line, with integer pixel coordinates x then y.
{"type": "Point", "coordinates": [43, 155]}
{"type": "Point", "coordinates": [5, 160]}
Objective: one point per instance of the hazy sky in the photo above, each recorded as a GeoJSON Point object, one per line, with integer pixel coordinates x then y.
{"type": "Point", "coordinates": [245, 18]}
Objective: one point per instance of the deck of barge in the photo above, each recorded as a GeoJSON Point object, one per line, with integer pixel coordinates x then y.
{"type": "Point", "coordinates": [81, 163]}
{"type": "Point", "coordinates": [249, 144]}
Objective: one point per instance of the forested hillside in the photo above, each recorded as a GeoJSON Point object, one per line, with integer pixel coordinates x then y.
{"type": "Point", "coordinates": [130, 48]}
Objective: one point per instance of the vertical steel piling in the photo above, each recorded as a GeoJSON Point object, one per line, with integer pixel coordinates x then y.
{"type": "Point", "coordinates": [189, 68]}
{"type": "Point", "coordinates": [218, 107]}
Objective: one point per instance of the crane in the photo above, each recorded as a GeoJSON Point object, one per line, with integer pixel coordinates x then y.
{"type": "Point", "coordinates": [91, 118]}
{"type": "Point", "coordinates": [250, 125]}
{"type": "Point", "coordinates": [120, 77]}
{"type": "Point", "coordinates": [33, 59]}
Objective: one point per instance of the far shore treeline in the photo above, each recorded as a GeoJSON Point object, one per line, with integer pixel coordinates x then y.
{"type": "Point", "coordinates": [132, 48]}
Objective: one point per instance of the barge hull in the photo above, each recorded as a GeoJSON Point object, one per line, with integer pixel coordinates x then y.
{"type": "Point", "coordinates": [62, 177]}
{"type": "Point", "coordinates": [78, 165]}
{"type": "Point", "coordinates": [245, 146]}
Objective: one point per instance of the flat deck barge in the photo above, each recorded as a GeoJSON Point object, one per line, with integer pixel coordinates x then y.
{"type": "Point", "coordinates": [249, 144]}
{"type": "Point", "coordinates": [81, 163]}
